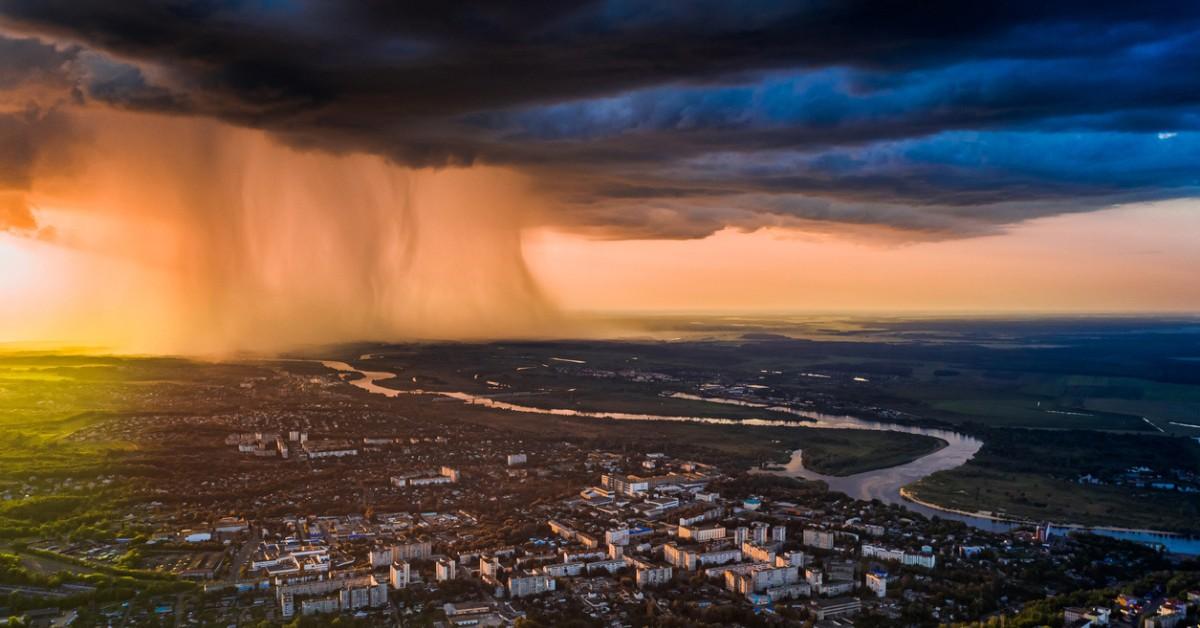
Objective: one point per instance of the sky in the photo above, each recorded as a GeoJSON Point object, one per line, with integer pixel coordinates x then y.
{"type": "Point", "coordinates": [190, 176]}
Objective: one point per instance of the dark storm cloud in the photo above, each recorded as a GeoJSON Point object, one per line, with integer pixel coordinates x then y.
{"type": "Point", "coordinates": [24, 135]}
{"type": "Point", "coordinates": [675, 119]}
{"type": "Point", "coordinates": [24, 61]}
{"type": "Point", "coordinates": [126, 86]}
{"type": "Point", "coordinates": [34, 78]}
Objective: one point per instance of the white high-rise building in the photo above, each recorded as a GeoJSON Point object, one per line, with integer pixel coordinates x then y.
{"type": "Point", "coordinates": [381, 556]}
{"type": "Point", "coordinates": [445, 570]}
{"type": "Point", "coordinates": [617, 536]}
{"type": "Point", "coordinates": [818, 538]}
{"type": "Point", "coordinates": [400, 574]}
{"type": "Point", "coordinates": [701, 534]}
{"type": "Point", "coordinates": [489, 568]}
{"type": "Point", "coordinates": [532, 584]}
{"type": "Point", "coordinates": [877, 583]}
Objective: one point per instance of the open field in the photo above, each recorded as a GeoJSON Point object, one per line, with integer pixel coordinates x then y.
{"type": "Point", "coordinates": [77, 442]}
{"type": "Point", "coordinates": [831, 452]}
{"type": "Point", "coordinates": [1042, 498]}
{"type": "Point", "coordinates": [847, 452]}
{"type": "Point", "coordinates": [1098, 374]}
{"type": "Point", "coordinates": [1037, 476]}
{"type": "Point", "coordinates": [50, 481]}
{"type": "Point", "coordinates": [48, 565]}
{"type": "Point", "coordinates": [613, 397]}
{"type": "Point", "coordinates": [1027, 413]}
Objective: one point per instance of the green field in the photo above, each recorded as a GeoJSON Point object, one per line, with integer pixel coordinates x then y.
{"type": "Point", "coordinates": [847, 452]}
{"type": "Point", "coordinates": [51, 481]}
{"type": "Point", "coordinates": [1001, 412]}
{"type": "Point", "coordinates": [1041, 498]}
{"type": "Point", "coordinates": [1033, 475]}
{"type": "Point", "coordinates": [612, 397]}
{"type": "Point", "coordinates": [63, 472]}
{"type": "Point", "coordinates": [827, 451]}
{"type": "Point", "coordinates": [1116, 383]}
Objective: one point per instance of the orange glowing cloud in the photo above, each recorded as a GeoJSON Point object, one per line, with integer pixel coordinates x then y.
{"type": "Point", "coordinates": [177, 234]}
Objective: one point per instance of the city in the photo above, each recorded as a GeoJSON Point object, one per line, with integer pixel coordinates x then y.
{"type": "Point", "coordinates": [299, 497]}
{"type": "Point", "coordinates": [599, 314]}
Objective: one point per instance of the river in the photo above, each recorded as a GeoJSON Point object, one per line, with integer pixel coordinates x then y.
{"type": "Point", "coordinates": [883, 484]}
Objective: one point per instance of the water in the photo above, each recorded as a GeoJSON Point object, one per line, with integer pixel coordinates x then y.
{"type": "Point", "coordinates": [883, 484]}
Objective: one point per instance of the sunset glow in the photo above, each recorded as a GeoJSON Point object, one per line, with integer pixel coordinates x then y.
{"type": "Point", "coordinates": [1126, 260]}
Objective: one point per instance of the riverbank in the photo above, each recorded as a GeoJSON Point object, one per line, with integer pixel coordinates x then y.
{"type": "Point", "coordinates": [839, 445]}
{"type": "Point", "coordinates": [907, 494]}
{"type": "Point", "coordinates": [1172, 542]}
{"type": "Point", "coordinates": [1035, 495]}
{"type": "Point", "coordinates": [843, 457]}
